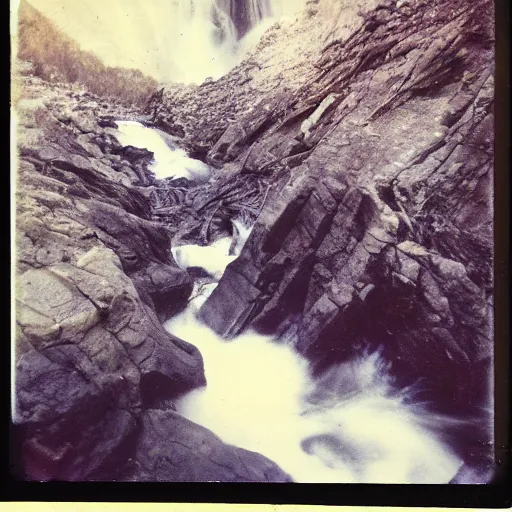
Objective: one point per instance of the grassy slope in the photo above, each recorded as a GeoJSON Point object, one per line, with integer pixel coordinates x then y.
{"type": "Point", "coordinates": [58, 58]}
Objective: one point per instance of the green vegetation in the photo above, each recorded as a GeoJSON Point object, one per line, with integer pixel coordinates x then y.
{"type": "Point", "coordinates": [58, 58]}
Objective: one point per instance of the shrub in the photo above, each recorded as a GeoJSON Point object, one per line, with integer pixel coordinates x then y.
{"type": "Point", "coordinates": [58, 58]}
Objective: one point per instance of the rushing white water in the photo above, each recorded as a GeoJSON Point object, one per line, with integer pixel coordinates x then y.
{"type": "Point", "coordinates": [171, 40]}
{"type": "Point", "coordinates": [213, 258]}
{"type": "Point", "coordinates": [216, 257]}
{"type": "Point", "coordinates": [167, 162]}
{"type": "Point", "coordinates": [209, 42]}
{"type": "Point", "coordinates": [350, 425]}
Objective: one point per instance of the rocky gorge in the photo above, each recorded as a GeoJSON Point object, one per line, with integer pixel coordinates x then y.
{"type": "Point", "coordinates": [362, 159]}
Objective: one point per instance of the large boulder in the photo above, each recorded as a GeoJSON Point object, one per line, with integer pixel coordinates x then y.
{"type": "Point", "coordinates": [173, 449]}
{"type": "Point", "coordinates": [89, 351]}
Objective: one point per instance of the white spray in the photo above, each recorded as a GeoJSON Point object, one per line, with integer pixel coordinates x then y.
{"type": "Point", "coordinates": [208, 45]}
{"type": "Point", "coordinates": [349, 426]}
{"type": "Point", "coordinates": [171, 40]}
{"type": "Point", "coordinates": [167, 161]}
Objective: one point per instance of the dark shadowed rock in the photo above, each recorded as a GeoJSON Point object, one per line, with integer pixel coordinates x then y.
{"type": "Point", "coordinates": [107, 122]}
{"type": "Point", "coordinates": [370, 176]}
{"type": "Point", "coordinates": [173, 449]}
{"type": "Point", "coordinates": [395, 248]}
{"type": "Point", "coordinates": [99, 353]}
{"type": "Point", "coordinates": [166, 287]}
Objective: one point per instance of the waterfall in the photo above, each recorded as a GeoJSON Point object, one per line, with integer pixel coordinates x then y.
{"type": "Point", "coordinates": [212, 34]}
{"type": "Point", "coordinates": [202, 42]}
{"type": "Point", "coordinates": [171, 40]}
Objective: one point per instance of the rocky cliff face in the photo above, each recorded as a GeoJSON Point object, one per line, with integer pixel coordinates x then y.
{"type": "Point", "coordinates": [382, 209]}
{"type": "Point", "coordinates": [95, 277]}
{"type": "Point", "coordinates": [376, 223]}
{"type": "Point", "coordinates": [366, 161]}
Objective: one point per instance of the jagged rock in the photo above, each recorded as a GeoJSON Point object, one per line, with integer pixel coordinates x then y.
{"type": "Point", "coordinates": [133, 154]}
{"type": "Point", "coordinates": [74, 430]}
{"type": "Point", "coordinates": [399, 116]}
{"type": "Point", "coordinates": [167, 288]}
{"type": "Point", "coordinates": [370, 172]}
{"type": "Point", "coordinates": [173, 449]}
{"type": "Point", "coordinates": [239, 136]}
{"type": "Point", "coordinates": [107, 122]}
{"type": "Point", "coordinates": [85, 122]}
{"type": "Point", "coordinates": [93, 272]}
{"type": "Point", "coordinates": [85, 326]}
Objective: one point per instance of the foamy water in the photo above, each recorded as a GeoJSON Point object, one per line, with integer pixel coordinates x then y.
{"type": "Point", "coordinates": [207, 43]}
{"type": "Point", "coordinates": [351, 425]}
{"type": "Point", "coordinates": [212, 258]}
{"type": "Point", "coordinates": [167, 162]}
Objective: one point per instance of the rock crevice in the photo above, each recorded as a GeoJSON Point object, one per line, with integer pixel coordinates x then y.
{"type": "Point", "coordinates": [366, 166]}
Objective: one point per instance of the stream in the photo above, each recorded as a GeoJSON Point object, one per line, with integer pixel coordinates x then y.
{"type": "Point", "coordinates": [169, 160]}
{"type": "Point", "coordinates": [349, 425]}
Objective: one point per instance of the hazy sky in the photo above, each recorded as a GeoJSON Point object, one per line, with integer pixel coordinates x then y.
{"type": "Point", "coordinates": [157, 36]}
{"type": "Point", "coordinates": [129, 33]}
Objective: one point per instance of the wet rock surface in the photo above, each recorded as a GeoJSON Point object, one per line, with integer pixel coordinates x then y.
{"type": "Point", "coordinates": [367, 164]}
{"type": "Point", "coordinates": [377, 230]}
{"type": "Point", "coordinates": [95, 279]}
{"type": "Point", "coordinates": [173, 448]}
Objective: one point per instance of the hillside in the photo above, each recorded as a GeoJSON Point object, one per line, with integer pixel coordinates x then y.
{"type": "Point", "coordinates": [58, 58]}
